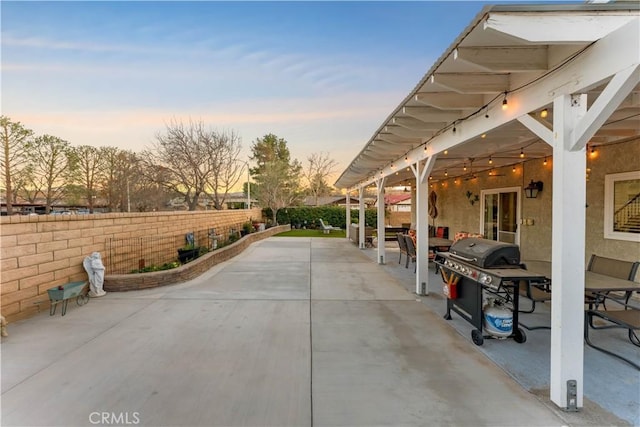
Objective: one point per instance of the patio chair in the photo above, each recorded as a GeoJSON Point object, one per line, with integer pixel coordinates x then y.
{"type": "Point", "coordinates": [326, 229]}
{"type": "Point", "coordinates": [625, 270]}
{"type": "Point", "coordinates": [402, 245]}
{"type": "Point", "coordinates": [411, 251]}
{"type": "Point", "coordinates": [626, 317]}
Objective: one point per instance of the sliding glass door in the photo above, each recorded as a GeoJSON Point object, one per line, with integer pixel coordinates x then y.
{"type": "Point", "coordinates": [500, 210]}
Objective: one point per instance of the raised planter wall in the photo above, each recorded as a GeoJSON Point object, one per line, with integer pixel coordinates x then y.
{"type": "Point", "coordinates": [191, 270]}
{"type": "Point", "coordinates": [43, 251]}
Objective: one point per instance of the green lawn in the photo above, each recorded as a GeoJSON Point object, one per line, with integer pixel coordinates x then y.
{"type": "Point", "coordinates": [311, 233]}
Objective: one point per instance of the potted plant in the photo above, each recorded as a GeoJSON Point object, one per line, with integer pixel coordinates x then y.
{"type": "Point", "coordinates": [188, 253]}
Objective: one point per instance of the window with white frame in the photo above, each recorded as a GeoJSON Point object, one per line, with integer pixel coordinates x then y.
{"type": "Point", "coordinates": [622, 206]}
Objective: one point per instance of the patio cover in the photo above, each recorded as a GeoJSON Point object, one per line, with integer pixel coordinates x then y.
{"type": "Point", "coordinates": [484, 98]}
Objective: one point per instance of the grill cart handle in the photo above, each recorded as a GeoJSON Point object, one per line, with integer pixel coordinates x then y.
{"type": "Point", "coordinates": [464, 258]}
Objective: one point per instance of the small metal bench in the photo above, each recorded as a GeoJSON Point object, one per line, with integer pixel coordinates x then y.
{"type": "Point", "coordinates": [63, 293]}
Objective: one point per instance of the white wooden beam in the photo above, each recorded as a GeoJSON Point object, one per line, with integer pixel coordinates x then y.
{"type": "Point", "coordinates": [415, 124]}
{"type": "Point", "coordinates": [405, 132]}
{"type": "Point", "coordinates": [431, 115]}
{"type": "Point", "coordinates": [542, 28]}
{"type": "Point", "coordinates": [450, 101]}
{"type": "Point", "coordinates": [506, 59]}
{"type": "Point", "coordinates": [611, 97]}
{"type": "Point", "coordinates": [538, 128]}
{"type": "Point", "coordinates": [567, 255]}
{"type": "Point", "coordinates": [473, 83]}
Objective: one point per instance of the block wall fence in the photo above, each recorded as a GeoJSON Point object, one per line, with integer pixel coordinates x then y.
{"type": "Point", "coordinates": [40, 252]}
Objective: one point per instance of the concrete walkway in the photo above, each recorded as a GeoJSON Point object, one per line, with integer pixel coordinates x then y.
{"type": "Point", "coordinates": [294, 331]}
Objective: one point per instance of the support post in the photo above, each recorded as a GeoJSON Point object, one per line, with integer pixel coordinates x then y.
{"type": "Point", "coordinates": [381, 235]}
{"type": "Point", "coordinates": [348, 215]}
{"type": "Point", "coordinates": [361, 219]}
{"type": "Point", "coordinates": [568, 257]}
{"type": "Point", "coordinates": [421, 172]}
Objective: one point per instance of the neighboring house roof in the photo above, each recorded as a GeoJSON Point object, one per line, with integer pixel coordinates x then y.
{"type": "Point", "coordinates": [392, 199]}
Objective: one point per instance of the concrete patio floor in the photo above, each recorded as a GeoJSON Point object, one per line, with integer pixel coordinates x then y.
{"type": "Point", "coordinates": [294, 331]}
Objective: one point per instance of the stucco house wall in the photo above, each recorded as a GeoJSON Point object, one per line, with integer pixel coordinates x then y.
{"type": "Point", "coordinates": [456, 211]}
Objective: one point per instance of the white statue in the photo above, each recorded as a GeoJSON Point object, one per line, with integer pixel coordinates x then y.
{"type": "Point", "coordinates": [95, 269]}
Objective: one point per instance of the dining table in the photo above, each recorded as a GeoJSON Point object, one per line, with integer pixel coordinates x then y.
{"type": "Point", "coordinates": [593, 282]}
{"type": "Point", "coordinates": [439, 244]}
{"type": "Point", "coordinates": [597, 289]}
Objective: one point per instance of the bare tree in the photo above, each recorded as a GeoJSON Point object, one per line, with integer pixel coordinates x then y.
{"type": "Point", "coordinates": [319, 167]}
{"type": "Point", "coordinates": [182, 156]}
{"type": "Point", "coordinates": [15, 139]}
{"type": "Point", "coordinates": [223, 153]}
{"type": "Point", "coordinates": [90, 167]}
{"type": "Point", "coordinates": [190, 160]}
{"type": "Point", "coordinates": [51, 168]}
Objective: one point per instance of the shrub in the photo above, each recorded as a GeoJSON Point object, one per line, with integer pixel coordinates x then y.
{"type": "Point", "coordinates": [308, 216]}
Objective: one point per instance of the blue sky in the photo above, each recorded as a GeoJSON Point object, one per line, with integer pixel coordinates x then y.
{"type": "Point", "coordinates": [322, 75]}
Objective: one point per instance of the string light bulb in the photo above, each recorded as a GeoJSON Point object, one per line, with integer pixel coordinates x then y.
{"type": "Point", "coordinates": [514, 169]}
{"type": "Point", "coordinates": [490, 160]}
{"type": "Point", "coordinates": [505, 104]}
{"type": "Point", "coordinates": [521, 154]}
{"type": "Point", "coordinates": [544, 113]}
{"type": "Point", "coordinates": [446, 173]}
{"type": "Point", "coordinates": [593, 153]}
{"type": "Point", "coordinates": [545, 162]}
{"type": "Point", "coordinates": [484, 135]}
{"type": "Point", "coordinates": [446, 152]}
{"type": "Point", "coordinates": [464, 166]}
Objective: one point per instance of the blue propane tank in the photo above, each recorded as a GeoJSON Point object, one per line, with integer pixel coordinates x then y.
{"type": "Point", "coordinates": [498, 320]}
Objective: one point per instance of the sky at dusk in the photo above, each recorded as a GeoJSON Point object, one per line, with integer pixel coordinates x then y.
{"type": "Point", "coordinates": [322, 75]}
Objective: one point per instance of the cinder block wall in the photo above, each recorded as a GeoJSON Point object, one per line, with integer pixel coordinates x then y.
{"type": "Point", "coordinates": [40, 252]}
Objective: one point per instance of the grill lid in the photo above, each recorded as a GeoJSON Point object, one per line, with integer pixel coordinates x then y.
{"type": "Point", "coordinates": [485, 253]}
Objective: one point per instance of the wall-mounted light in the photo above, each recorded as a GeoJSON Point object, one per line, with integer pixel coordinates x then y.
{"type": "Point", "coordinates": [531, 191]}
